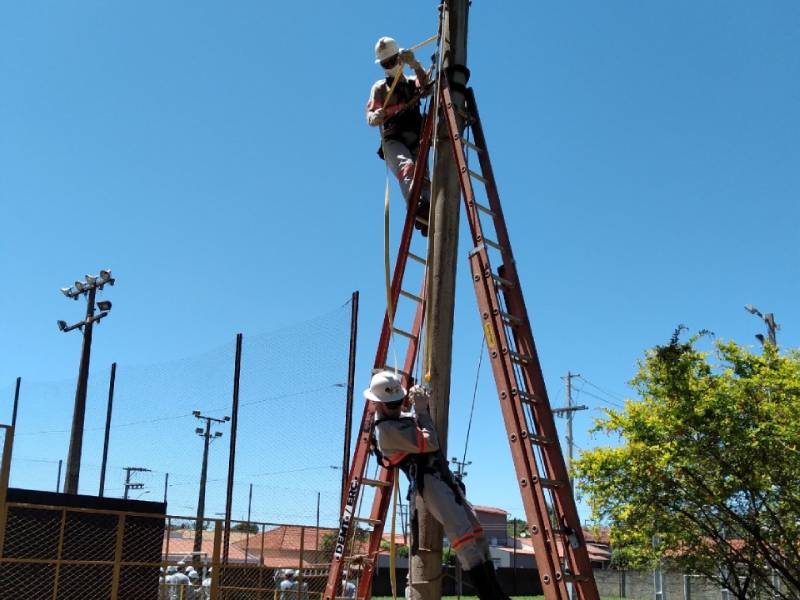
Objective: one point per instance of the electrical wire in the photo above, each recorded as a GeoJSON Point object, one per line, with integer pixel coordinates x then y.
{"type": "Point", "coordinates": [474, 396]}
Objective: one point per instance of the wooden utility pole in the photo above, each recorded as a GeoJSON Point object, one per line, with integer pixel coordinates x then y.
{"type": "Point", "coordinates": [426, 566]}
{"type": "Point", "coordinates": [569, 411]}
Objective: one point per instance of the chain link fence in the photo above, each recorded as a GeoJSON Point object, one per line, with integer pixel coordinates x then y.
{"type": "Point", "coordinates": [292, 401]}
{"type": "Point", "coordinates": [91, 554]}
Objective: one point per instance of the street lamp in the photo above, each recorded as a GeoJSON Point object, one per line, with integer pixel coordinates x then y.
{"type": "Point", "coordinates": [88, 287]}
{"type": "Point", "coordinates": [769, 319]}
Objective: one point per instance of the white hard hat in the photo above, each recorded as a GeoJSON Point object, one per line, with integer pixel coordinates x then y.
{"type": "Point", "coordinates": [297, 573]}
{"type": "Point", "coordinates": [384, 387]}
{"type": "Point", "coordinates": [171, 569]}
{"type": "Point", "coordinates": [385, 48]}
{"type": "Point", "coordinates": [194, 575]}
{"type": "Point", "coordinates": [288, 572]}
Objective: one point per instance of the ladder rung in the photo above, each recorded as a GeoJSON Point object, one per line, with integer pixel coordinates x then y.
{"type": "Point", "coordinates": [356, 558]}
{"type": "Point", "coordinates": [520, 358]}
{"type": "Point", "coordinates": [571, 577]}
{"type": "Point", "coordinates": [484, 209]}
{"type": "Point", "coordinates": [371, 522]}
{"type": "Point", "coordinates": [422, 220]}
{"type": "Point", "coordinates": [477, 176]}
{"type": "Point", "coordinates": [417, 258]}
{"type": "Point", "coordinates": [470, 145]}
{"type": "Point", "coordinates": [510, 319]}
{"type": "Point", "coordinates": [376, 482]}
{"type": "Point", "coordinates": [411, 296]}
{"type": "Point", "coordinates": [501, 281]}
{"type": "Point", "coordinates": [550, 483]}
{"type": "Point", "coordinates": [494, 245]}
{"type": "Point", "coordinates": [540, 439]}
{"type": "Point", "coordinates": [527, 398]}
{"type": "Point", "coordinates": [404, 333]}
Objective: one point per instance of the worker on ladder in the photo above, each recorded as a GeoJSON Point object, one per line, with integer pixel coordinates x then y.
{"type": "Point", "coordinates": [409, 442]}
{"type": "Point", "coordinates": [394, 106]}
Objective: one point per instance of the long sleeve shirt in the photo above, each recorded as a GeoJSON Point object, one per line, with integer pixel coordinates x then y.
{"type": "Point", "coordinates": [408, 434]}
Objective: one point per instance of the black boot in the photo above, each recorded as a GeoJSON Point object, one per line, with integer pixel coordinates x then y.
{"type": "Point", "coordinates": [494, 583]}
{"type": "Point", "coordinates": [480, 581]}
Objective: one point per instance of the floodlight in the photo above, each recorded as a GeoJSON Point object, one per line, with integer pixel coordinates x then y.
{"type": "Point", "coordinates": [79, 286]}
{"type": "Point", "coordinates": [226, 419]}
{"type": "Point", "coordinates": [105, 274]}
{"type": "Point", "coordinates": [91, 279]}
{"type": "Point", "coordinates": [199, 431]}
{"type": "Point", "coordinates": [62, 325]}
{"type": "Point", "coordinates": [752, 309]}
{"type": "Point", "coordinates": [104, 305]}
{"type": "Point", "coordinates": [760, 337]}
{"type": "Point", "coordinates": [196, 413]}
{"type": "Point", "coordinates": [67, 292]}
{"type": "Point", "coordinates": [217, 434]}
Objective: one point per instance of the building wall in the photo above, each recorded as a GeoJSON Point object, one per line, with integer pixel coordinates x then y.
{"type": "Point", "coordinates": [494, 527]}
{"type": "Point", "coordinates": [639, 585]}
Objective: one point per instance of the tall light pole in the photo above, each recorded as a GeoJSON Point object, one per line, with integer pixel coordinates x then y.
{"type": "Point", "coordinates": [769, 319]}
{"type": "Point", "coordinates": [207, 436]}
{"type": "Point", "coordinates": [87, 288]}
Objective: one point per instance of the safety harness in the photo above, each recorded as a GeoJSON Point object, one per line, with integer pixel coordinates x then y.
{"type": "Point", "coordinates": [416, 466]}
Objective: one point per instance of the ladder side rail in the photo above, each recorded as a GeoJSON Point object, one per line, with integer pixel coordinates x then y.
{"type": "Point", "coordinates": [578, 558]}
{"type": "Point", "coordinates": [519, 438]}
{"type": "Point", "coordinates": [382, 499]}
{"type": "Point", "coordinates": [405, 239]}
{"type": "Point", "coordinates": [532, 373]}
{"type": "Point", "coordinates": [546, 552]}
{"type": "Point", "coordinates": [363, 447]}
{"type": "Point", "coordinates": [491, 186]}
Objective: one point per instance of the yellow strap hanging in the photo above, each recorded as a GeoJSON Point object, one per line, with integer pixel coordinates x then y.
{"type": "Point", "coordinates": [392, 547]}
{"type": "Point", "coordinates": [386, 260]}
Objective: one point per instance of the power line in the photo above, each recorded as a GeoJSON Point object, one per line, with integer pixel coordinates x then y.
{"type": "Point", "coordinates": [606, 392]}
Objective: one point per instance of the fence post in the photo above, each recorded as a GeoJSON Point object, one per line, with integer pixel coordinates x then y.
{"type": "Point", "coordinates": [215, 560]}
{"type": "Point", "coordinates": [57, 572]}
{"type": "Point", "coordinates": [300, 570]}
{"type": "Point", "coordinates": [5, 470]}
{"type": "Point", "coordinates": [118, 557]}
{"type": "Point", "coordinates": [687, 587]}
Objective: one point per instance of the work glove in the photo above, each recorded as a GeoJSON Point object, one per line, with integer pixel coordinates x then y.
{"type": "Point", "coordinates": [408, 58]}
{"type": "Point", "coordinates": [376, 117]}
{"type": "Point", "coordinates": [419, 397]}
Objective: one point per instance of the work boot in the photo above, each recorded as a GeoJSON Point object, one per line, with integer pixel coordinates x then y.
{"type": "Point", "coordinates": [482, 584]}
{"type": "Point", "coordinates": [494, 583]}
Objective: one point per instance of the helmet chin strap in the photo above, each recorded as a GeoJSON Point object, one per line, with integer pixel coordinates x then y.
{"type": "Point", "coordinates": [394, 71]}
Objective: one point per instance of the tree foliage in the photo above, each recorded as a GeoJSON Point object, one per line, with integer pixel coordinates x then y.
{"type": "Point", "coordinates": [708, 466]}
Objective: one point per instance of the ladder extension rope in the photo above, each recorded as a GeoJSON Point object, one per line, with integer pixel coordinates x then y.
{"type": "Point", "coordinates": [386, 257]}
{"type": "Point", "coordinates": [392, 546]}
{"type": "Point", "coordinates": [426, 351]}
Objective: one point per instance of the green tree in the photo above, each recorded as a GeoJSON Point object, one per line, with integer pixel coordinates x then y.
{"type": "Point", "coordinates": [245, 527]}
{"type": "Point", "coordinates": [708, 465]}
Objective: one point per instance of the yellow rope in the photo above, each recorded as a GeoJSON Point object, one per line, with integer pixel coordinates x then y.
{"type": "Point", "coordinates": [387, 260]}
{"type": "Point", "coordinates": [392, 547]}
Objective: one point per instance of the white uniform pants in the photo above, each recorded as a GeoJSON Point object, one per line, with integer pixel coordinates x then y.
{"type": "Point", "coordinates": [400, 161]}
{"type": "Point", "coordinates": [458, 520]}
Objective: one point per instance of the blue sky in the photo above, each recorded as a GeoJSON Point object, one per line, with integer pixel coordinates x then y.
{"type": "Point", "coordinates": [216, 156]}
